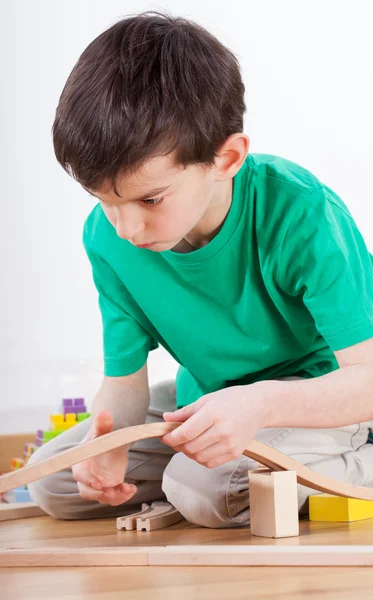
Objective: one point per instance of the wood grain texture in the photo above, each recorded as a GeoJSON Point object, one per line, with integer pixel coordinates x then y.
{"type": "Point", "coordinates": [182, 582]}
{"type": "Point", "coordinates": [155, 516]}
{"type": "Point", "coordinates": [189, 555]}
{"type": "Point", "coordinates": [262, 556]}
{"type": "Point", "coordinates": [75, 455]}
{"type": "Point", "coordinates": [19, 510]}
{"type": "Point", "coordinates": [262, 453]}
{"type": "Point", "coordinates": [273, 503]}
{"type": "Point", "coordinates": [74, 557]}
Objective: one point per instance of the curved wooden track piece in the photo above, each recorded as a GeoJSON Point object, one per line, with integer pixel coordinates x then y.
{"type": "Point", "coordinates": [262, 453]}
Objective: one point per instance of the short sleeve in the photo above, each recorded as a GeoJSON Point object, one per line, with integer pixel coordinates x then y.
{"type": "Point", "coordinates": [126, 344]}
{"type": "Point", "coordinates": [324, 261]}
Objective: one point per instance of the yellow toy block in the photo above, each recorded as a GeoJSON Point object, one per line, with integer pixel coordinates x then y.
{"type": "Point", "coordinates": [57, 421]}
{"type": "Point", "coordinates": [328, 508]}
{"type": "Point", "coordinates": [64, 426]}
{"type": "Point", "coordinates": [70, 418]}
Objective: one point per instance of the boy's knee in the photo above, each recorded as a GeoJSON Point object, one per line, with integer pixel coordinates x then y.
{"type": "Point", "coordinates": [198, 493]}
{"type": "Point", "coordinates": [47, 492]}
{"type": "Point", "coordinates": [57, 494]}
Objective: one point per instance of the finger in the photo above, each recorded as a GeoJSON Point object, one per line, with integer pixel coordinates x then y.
{"type": "Point", "coordinates": [123, 488]}
{"type": "Point", "coordinates": [214, 452]}
{"type": "Point", "coordinates": [182, 414]}
{"type": "Point", "coordinates": [120, 494]}
{"type": "Point", "coordinates": [197, 424]}
{"type": "Point", "coordinates": [223, 459]}
{"type": "Point", "coordinates": [206, 439]}
{"type": "Point", "coordinates": [108, 496]}
{"type": "Point", "coordinates": [88, 493]}
{"type": "Point", "coordinates": [94, 483]}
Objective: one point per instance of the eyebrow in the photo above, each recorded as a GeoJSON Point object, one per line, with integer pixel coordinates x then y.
{"type": "Point", "coordinates": [147, 196]}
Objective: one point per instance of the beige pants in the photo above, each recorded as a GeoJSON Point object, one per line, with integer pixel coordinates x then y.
{"type": "Point", "coordinates": [216, 497]}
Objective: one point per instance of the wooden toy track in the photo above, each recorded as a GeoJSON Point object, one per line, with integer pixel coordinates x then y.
{"type": "Point", "coordinates": [262, 453]}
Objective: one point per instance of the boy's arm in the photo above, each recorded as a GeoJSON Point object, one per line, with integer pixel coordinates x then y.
{"type": "Point", "coordinates": [126, 398]}
{"type": "Point", "coordinates": [342, 397]}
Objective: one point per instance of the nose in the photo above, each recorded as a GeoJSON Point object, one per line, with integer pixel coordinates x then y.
{"type": "Point", "coordinates": [128, 228]}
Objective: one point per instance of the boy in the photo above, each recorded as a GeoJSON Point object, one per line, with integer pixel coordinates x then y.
{"type": "Point", "coordinates": [254, 277]}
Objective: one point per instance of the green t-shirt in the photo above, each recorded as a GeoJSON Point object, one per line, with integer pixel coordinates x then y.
{"type": "Point", "coordinates": [287, 279]}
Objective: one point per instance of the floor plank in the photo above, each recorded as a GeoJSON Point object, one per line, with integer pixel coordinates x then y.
{"type": "Point", "coordinates": [161, 583]}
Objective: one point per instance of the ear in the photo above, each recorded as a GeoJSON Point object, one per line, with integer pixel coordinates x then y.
{"type": "Point", "coordinates": [231, 156]}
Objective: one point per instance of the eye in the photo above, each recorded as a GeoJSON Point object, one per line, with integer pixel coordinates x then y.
{"type": "Point", "coordinates": [153, 201]}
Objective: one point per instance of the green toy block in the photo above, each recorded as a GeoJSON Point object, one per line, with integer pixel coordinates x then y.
{"type": "Point", "coordinates": [48, 435]}
{"type": "Point", "coordinates": [82, 416]}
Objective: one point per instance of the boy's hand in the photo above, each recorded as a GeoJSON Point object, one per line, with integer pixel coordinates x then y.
{"type": "Point", "coordinates": [101, 478]}
{"type": "Point", "coordinates": [218, 426]}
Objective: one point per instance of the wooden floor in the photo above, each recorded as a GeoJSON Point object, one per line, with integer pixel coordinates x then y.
{"type": "Point", "coordinates": [179, 583]}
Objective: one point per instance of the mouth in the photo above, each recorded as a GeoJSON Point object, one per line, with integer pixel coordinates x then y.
{"type": "Point", "coordinates": [145, 245]}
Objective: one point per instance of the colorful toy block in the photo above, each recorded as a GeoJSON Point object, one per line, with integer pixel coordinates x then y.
{"type": "Point", "coordinates": [17, 463]}
{"type": "Point", "coordinates": [57, 421]}
{"type": "Point", "coordinates": [73, 411]}
{"type": "Point", "coordinates": [72, 406]}
{"type": "Point", "coordinates": [82, 416]}
{"type": "Point", "coordinates": [333, 509]}
{"type": "Point", "coordinates": [20, 494]}
{"type": "Point", "coordinates": [42, 437]}
{"type": "Point", "coordinates": [29, 449]}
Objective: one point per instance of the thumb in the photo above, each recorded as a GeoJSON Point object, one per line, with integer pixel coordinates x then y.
{"type": "Point", "coordinates": [102, 423]}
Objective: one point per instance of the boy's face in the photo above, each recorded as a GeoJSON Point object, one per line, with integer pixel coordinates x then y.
{"type": "Point", "coordinates": [190, 206]}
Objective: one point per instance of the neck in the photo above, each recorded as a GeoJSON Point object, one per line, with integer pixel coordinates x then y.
{"type": "Point", "coordinates": [213, 219]}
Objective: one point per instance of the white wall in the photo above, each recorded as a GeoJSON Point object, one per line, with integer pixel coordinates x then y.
{"type": "Point", "coordinates": [307, 66]}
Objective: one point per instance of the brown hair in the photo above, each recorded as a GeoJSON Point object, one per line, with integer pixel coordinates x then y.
{"type": "Point", "coordinates": [149, 85]}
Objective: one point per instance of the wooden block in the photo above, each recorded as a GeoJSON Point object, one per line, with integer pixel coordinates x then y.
{"type": "Point", "coordinates": [19, 510]}
{"type": "Point", "coordinates": [334, 509]}
{"type": "Point", "coordinates": [73, 557]}
{"type": "Point", "coordinates": [157, 516]}
{"type": "Point", "coordinates": [273, 503]}
{"type": "Point", "coordinates": [252, 555]}
{"type": "Point", "coordinates": [128, 522]}
{"type": "Point", "coordinates": [218, 555]}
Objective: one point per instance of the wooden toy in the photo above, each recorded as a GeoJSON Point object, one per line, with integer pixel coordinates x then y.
{"type": "Point", "coordinates": [203, 555]}
{"type": "Point", "coordinates": [334, 509]}
{"type": "Point", "coordinates": [19, 510]}
{"type": "Point", "coordinates": [273, 503]}
{"type": "Point", "coordinates": [262, 453]}
{"type": "Point", "coordinates": [151, 517]}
